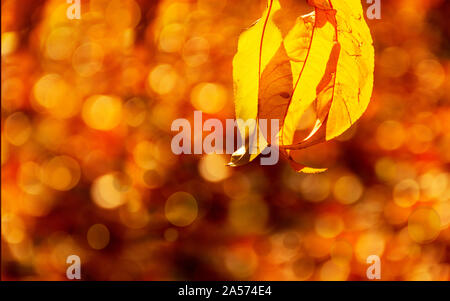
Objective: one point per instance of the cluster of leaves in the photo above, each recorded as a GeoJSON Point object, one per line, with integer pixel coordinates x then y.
{"type": "Point", "coordinates": [285, 65]}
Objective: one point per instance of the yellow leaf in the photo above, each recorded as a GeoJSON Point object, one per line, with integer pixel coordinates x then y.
{"type": "Point", "coordinates": [298, 167]}
{"type": "Point", "coordinates": [311, 170]}
{"type": "Point", "coordinates": [312, 69]}
{"type": "Point", "coordinates": [354, 76]}
{"type": "Point", "coordinates": [344, 91]}
{"type": "Point", "coordinates": [256, 48]}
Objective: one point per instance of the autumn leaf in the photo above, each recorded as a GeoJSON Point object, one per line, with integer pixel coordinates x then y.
{"type": "Point", "coordinates": [256, 48]}
{"type": "Point", "coordinates": [324, 61]}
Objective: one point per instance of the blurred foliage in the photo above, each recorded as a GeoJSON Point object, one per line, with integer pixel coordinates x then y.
{"type": "Point", "coordinates": [87, 167]}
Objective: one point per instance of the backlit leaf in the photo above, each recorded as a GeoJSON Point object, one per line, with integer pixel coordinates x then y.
{"type": "Point", "coordinates": [256, 48]}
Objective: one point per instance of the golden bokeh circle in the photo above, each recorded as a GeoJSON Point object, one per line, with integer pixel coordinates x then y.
{"type": "Point", "coordinates": [163, 79]}
{"type": "Point", "coordinates": [424, 225]}
{"type": "Point", "coordinates": [329, 225]}
{"type": "Point", "coordinates": [369, 243]}
{"type": "Point", "coordinates": [348, 189]}
{"type": "Point", "coordinates": [181, 209]}
{"type": "Point", "coordinates": [108, 191]}
{"type": "Point", "coordinates": [88, 59]}
{"type": "Point", "coordinates": [213, 168]}
{"type": "Point", "coordinates": [102, 112]}
{"type": "Point", "coordinates": [406, 193]}
{"type": "Point", "coordinates": [13, 228]}
{"type": "Point", "coordinates": [241, 262]}
{"type": "Point", "coordinates": [341, 252]}
{"type": "Point", "coordinates": [390, 135]}
{"type": "Point", "coordinates": [209, 97]}
{"type": "Point", "coordinates": [98, 236]}
{"type": "Point", "coordinates": [331, 271]}
{"type": "Point", "coordinates": [61, 173]}
{"type": "Point", "coordinates": [17, 128]}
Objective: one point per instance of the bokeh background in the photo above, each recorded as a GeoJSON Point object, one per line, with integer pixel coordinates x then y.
{"type": "Point", "coordinates": [87, 169]}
